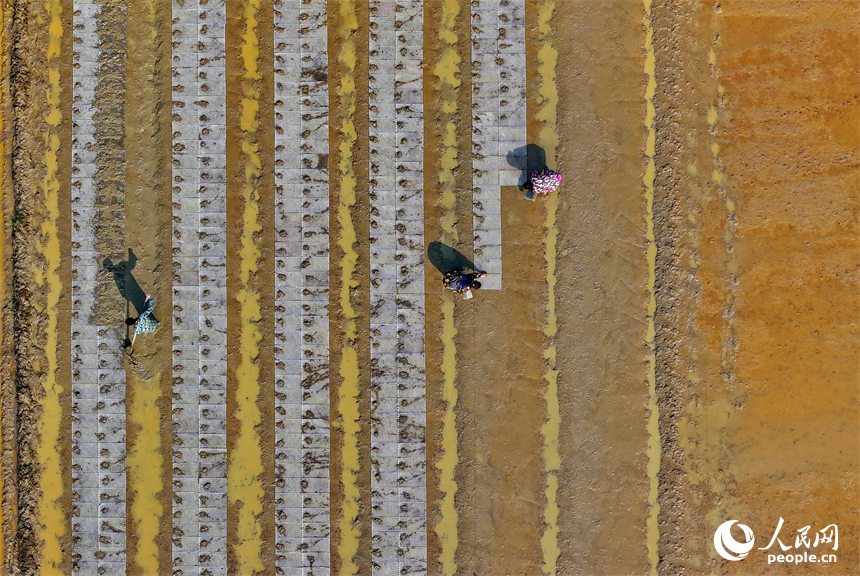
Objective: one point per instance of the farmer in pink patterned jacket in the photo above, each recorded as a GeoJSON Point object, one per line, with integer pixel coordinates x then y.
{"type": "Point", "coordinates": [544, 182]}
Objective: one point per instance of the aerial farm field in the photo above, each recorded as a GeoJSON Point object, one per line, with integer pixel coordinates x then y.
{"type": "Point", "coordinates": [659, 376]}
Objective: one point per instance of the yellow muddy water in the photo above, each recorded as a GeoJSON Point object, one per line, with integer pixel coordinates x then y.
{"type": "Point", "coordinates": [145, 469]}
{"type": "Point", "coordinates": [652, 533]}
{"type": "Point", "coordinates": [548, 140]}
{"type": "Point", "coordinates": [446, 528]}
{"type": "Point", "coordinates": [245, 468]}
{"type": "Point", "coordinates": [348, 392]}
{"type": "Point", "coordinates": [447, 71]}
{"type": "Point", "coordinates": [54, 522]}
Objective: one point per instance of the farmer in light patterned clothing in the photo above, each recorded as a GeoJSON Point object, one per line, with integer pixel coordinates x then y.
{"type": "Point", "coordinates": [145, 323]}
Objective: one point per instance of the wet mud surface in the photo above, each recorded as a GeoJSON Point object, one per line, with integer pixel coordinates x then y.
{"type": "Point", "coordinates": [148, 219]}
{"type": "Point", "coordinates": [26, 143]}
{"type": "Point", "coordinates": [762, 208]}
{"type": "Point", "coordinates": [756, 201]}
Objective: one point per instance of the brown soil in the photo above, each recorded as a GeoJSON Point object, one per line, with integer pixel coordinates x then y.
{"type": "Point", "coordinates": [8, 398]}
{"type": "Point", "coordinates": [503, 381]}
{"type": "Point", "coordinates": [29, 89]}
{"type": "Point", "coordinates": [601, 292]}
{"type": "Point", "coordinates": [148, 216]}
{"type": "Point", "coordinates": [762, 259]}
{"type": "Point", "coordinates": [796, 443]}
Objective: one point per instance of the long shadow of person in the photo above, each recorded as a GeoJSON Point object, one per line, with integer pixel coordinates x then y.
{"type": "Point", "coordinates": [532, 159]}
{"type": "Point", "coordinates": [445, 258]}
{"type": "Point", "coordinates": [126, 284]}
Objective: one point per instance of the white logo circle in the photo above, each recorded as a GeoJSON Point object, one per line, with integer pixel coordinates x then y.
{"type": "Point", "coordinates": [726, 545]}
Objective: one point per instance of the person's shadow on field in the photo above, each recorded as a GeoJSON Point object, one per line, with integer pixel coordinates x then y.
{"type": "Point", "coordinates": [126, 284]}
{"type": "Point", "coordinates": [532, 159]}
{"type": "Point", "coordinates": [445, 258]}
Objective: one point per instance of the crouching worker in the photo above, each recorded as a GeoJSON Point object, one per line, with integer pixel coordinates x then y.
{"type": "Point", "coordinates": [461, 282]}
{"type": "Point", "coordinates": [543, 182]}
{"type": "Point", "coordinates": [145, 323]}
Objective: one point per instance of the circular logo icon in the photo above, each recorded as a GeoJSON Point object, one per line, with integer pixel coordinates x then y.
{"type": "Point", "coordinates": [728, 547]}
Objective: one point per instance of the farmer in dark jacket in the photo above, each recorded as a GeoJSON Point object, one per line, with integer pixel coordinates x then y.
{"type": "Point", "coordinates": [460, 281]}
